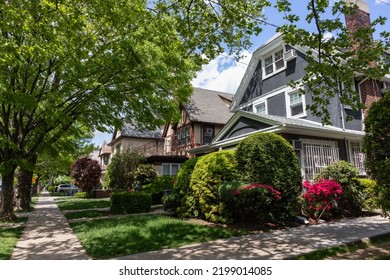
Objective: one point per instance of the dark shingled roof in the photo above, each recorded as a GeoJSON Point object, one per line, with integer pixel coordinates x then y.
{"type": "Point", "coordinates": [129, 130]}
{"type": "Point", "coordinates": [208, 106]}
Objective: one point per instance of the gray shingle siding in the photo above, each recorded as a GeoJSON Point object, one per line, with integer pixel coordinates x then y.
{"type": "Point", "coordinates": [277, 105]}
{"type": "Point", "coordinates": [257, 86]}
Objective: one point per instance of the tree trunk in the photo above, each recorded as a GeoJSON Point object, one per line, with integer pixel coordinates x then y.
{"type": "Point", "coordinates": [7, 195]}
{"type": "Point", "coordinates": [24, 188]}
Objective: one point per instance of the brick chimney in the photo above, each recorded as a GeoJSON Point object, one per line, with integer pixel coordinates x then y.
{"type": "Point", "coordinates": [370, 89]}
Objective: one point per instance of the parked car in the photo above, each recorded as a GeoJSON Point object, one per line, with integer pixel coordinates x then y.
{"type": "Point", "coordinates": [68, 188]}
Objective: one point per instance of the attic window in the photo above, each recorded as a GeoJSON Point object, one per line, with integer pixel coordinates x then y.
{"type": "Point", "coordinates": [274, 62]}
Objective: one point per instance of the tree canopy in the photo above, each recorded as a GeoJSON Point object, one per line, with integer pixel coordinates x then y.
{"type": "Point", "coordinates": [102, 62]}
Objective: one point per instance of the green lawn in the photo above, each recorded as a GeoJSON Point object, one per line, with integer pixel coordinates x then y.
{"type": "Point", "coordinates": [9, 237]}
{"type": "Point", "coordinates": [114, 237]}
{"type": "Point", "coordinates": [74, 203]}
{"type": "Point", "coordinates": [86, 214]}
{"type": "Point", "coordinates": [333, 251]}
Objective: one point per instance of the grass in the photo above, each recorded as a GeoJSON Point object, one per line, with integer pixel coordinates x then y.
{"type": "Point", "coordinates": [9, 237]}
{"type": "Point", "coordinates": [85, 214]}
{"type": "Point", "coordinates": [73, 203]}
{"type": "Point", "coordinates": [18, 220]}
{"type": "Point", "coordinates": [114, 237]}
{"type": "Point", "coordinates": [330, 252]}
{"type": "Point", "coordinates": [333, 251]}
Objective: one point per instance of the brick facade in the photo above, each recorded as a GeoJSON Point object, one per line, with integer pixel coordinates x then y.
{"type": "Point", "coordinates": [370, 89]}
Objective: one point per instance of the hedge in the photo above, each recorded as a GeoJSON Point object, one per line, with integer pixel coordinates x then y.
{"type": "Point", "coordinates": [210, 172]}
{"type": "Point", "coordinates": [130, 202]}
{"type": "Point", "coordinates": [269, 159]}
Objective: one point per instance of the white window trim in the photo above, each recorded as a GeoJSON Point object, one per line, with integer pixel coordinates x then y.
{"type": "Point", "coordinates": [288, 105]}
{"type": "Point", "coordinates": [257, 103]}
{"type": "Point", "coordinates": [263, 57]}
{"type": "Point", "coordinates": [170, 168]}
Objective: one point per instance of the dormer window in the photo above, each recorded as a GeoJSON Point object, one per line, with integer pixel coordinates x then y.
{"type": "Point", "coordinates": [274, 62]}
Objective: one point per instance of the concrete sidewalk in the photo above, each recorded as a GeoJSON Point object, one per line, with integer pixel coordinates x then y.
{"type": "Point", "coordinates": [47, 235]}
{"type": "Point", "coordinates": [279, 244]}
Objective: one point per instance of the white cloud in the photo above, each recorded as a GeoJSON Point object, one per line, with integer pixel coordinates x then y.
{"type": "Point", "coordinates": [378, 2]}
{"type": "Point", "coordinates": [223, 73]}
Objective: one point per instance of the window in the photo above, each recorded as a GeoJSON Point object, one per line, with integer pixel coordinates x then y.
{"type": "Point", "coordinates": [357, 157]}
{"type": "Point", "coordinates": [274, 62]}
{"type": "Point", "coordinates": [183, 136]}
{"type": "Point", "coordinates": [208, 134]}
{"type": "Point", "coordinates": [296, 104]}
{"type": "Point", "coordinates": [170, 168]}
{"type": "Point", "coordinates": [261, 108]}
{"type": "Point", "coordinates": [317, 154]}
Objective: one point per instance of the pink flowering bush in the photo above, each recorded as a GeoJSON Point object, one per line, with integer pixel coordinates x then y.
{"type": "Point", "coordinates": [252, 203]}
{"type": "Point", "coordinates": [320, 197]}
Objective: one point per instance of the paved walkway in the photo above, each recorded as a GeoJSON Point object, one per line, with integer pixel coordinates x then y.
{"type": "Point", "coordinates": [277, 244]}
{"type": "Point", "coordinates": [48, 236]}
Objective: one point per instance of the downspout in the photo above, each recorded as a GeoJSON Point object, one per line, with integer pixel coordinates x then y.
{"type": "Point", "coordinates": [361, 101]}
{"type": "Point", "coordinates": [341, 107]}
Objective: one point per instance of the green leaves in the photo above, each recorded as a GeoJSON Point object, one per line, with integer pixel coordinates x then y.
{"type": "Point", "coordinates": [333, 62]}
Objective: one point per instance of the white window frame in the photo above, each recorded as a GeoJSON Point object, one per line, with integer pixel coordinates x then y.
{"type": "Point", "coordinates": [170, 168]}
{"type": "Point", "coordinates": [289, 105]}
{"type": "Point", "coordinates": [257, 104]}
{"type": "Point", "coordinates": [272, 55]}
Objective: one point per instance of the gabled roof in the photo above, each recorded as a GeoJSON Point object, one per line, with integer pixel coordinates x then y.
{"type": "Point", "coordinates": [208, 106]}
{"type": "Point", "coordinates": [277, 124]}
{"type": "Point", "coordinates": [129, 130]}
{"type": "Point", "coordinates": [275, 41]}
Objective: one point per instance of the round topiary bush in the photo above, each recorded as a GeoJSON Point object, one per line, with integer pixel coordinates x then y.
{"type": "Point", "coordinates": [182, 187]}
{"type": "Point", "coordinates": [210, 171]}
{"type": "Point", "coordinates": [269, 159]}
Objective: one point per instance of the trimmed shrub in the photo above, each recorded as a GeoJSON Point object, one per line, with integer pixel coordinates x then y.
{"type": "Point", "coordinates": [182, 187]}
{"type": "Point", "coordinates": [51, 188]}
{"type": "Point", "coordinates": [345, 173]}
{"type": "Point", "coordinates": [210, 172]}
{"type": "Point", "coordinates": [80, 194]}
{"type": "Point", "coordinates": [157, 188]}
{"type": "Point", "coordinates": [130, 202]}
{"type": "Point", "coordinates": [250, 202]}
{"type": "Point", "coordinates": [377, 148]}
{"type": "Point", "coordinates": [269, 159]}
{"type": "Point", "coordinates": [371, 192]}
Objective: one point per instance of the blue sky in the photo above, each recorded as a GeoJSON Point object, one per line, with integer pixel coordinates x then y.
{"type": "Point", "coordinates": [225, 74]}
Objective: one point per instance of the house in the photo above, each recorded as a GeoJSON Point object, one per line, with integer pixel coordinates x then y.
{"type": "Point", "coordinates": [150, 142]}
{"type": "Point", "coordinates": [202, 117]}
{"type": "Point", "coordinates": [265, 102]}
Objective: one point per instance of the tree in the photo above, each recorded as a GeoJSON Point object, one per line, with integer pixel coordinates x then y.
{"type": "Point", "coordinates": [377, 148]}
{"type": "Point", "coordinates": [86, 172]}
{"type": "Point", "coordinates": [123, 169]}
{"type": "Point", "coordinates": [332, 63]}
{"type": "Point", "coordinates": [101, 63]}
